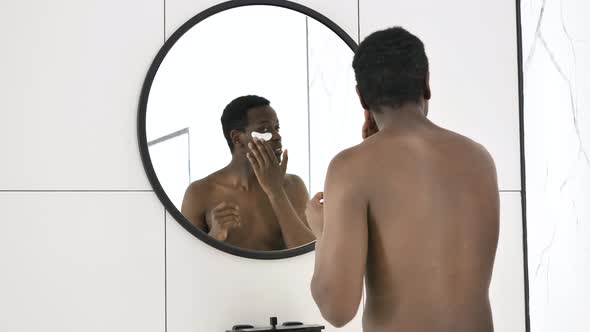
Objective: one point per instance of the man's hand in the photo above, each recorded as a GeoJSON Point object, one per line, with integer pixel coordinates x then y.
{"type": "Point", "coordinates": [223, 218]}
{"type": "Point", "coordinates": [369, 127]}
{"type": "Point", "coordinates": [270, 174]}
{"type": "Point", "coordinates": [315, 214]}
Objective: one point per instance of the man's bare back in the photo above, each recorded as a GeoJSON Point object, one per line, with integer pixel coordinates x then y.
{"type": "Point", "coordinates": [412, 212]}
{"type": "Point", "coordinates": [259, 227]}
{"type": "Point", "coordinates": [432, 231]}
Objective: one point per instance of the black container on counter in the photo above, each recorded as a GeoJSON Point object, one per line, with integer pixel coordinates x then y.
{"type": "Point", "coordinates": [287, 326]}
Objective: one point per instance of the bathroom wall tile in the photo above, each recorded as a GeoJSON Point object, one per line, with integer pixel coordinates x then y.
{"type": "Point", "coordinates": [557, 144]}
{"type": "Point", "coordinates": [81, 262]}
{"type": "Point", "coordinates": [507, 288]}
{"type": "Point", "coordinates": [473, 64]}
{"type": "Point", "coordinates": [209, 290]}
{"type": "Point", "coordinates": [343, 12]}
{"type": "Point", "coordinates": [72, 72]}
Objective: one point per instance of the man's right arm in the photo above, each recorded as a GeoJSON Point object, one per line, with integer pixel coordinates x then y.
{"type": "Point", "coordinates": [194, 206]}
{"type": "Point", "coordinates": [216, 222]}
{"type": "Point", "coordinates": [341, 250]}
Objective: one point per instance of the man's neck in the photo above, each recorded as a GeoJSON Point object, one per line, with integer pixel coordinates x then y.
{"type": "Point", "coordinates": [406, 117]}
{"type": "Point", "coordinates": [239, 173]}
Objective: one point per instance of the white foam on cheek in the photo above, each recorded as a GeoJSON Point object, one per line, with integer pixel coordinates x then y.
{"type": "Point", "coordinates": [265, 136]}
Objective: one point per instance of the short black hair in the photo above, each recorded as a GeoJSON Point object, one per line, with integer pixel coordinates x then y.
{"type": "Point", "coordinates": [390, 68]}
{"type": "Point", "coordinates": [235, 115]}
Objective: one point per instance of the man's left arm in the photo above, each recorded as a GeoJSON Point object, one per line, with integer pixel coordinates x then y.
{"type": "Point", "coordinates": [288, 204]}
{"type": "Point", "coordinates": [341, 248]}
{"type": "Point", "coordinates": [271, 176]}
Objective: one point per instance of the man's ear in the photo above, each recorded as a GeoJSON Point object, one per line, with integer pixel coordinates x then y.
{"type": "Point", "coordinates": [363, 104]}
{"type": "Point", "coordinates": [427, 92]}
{"type": "Point", "coordinates": [369, 117]}
{"type": "Point", "coordinates": [236, 136]}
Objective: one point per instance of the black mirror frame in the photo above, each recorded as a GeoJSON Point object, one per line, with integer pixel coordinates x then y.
{"type": "Point", "coordinates": [141, 122]}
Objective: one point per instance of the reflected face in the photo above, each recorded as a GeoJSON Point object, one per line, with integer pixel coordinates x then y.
{"type": "Point", "coordinates": [263, 119]}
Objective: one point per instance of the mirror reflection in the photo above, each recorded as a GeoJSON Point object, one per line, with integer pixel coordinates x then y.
{"type": "Point", "coordinates": [244, 114]}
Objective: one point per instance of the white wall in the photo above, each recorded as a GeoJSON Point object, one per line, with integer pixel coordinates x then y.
{"type": "Point", "coordinates": [85, 243]}
{"type": "Point", "coordinates": [556, 52]}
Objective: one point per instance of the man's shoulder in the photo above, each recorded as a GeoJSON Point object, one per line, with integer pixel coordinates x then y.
{"type": "Point", "coordinates": [205, 184]}
{"type": "Point", "coordinates": [475, 148]}
{"type": "Point", "coordinates": [347, 162]}
{"type": "Point", "coordinates": [476, 152]}
{"type": "Point", "coordinates": [293, 181]}
{"type": "Point", "coordinates": [356, 154]}
{"type": "Point", "coordinates": [196, 197]}
{"type": "Point", "coordinates": [293, 178]}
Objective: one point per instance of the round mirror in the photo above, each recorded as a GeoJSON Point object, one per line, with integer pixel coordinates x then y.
{"type": "Point", "coordinates": [240, 114]}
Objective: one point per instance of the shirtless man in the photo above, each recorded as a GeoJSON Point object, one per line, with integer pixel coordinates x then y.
{"type": "Point", "coordinates": [251, 203]}
{"type": "Point", "coordinates": [413, 209]}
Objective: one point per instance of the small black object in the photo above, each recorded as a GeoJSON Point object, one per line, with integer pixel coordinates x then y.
{"type": "Point", "coordinates": [289, 326]}
{"type": "Point", "coordinates": [241, 327]}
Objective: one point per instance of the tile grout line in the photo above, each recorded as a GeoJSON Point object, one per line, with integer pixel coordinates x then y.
{"type": "Point", "coordinates": [75, 191]}
{"type": "Point", "coordinates": [133, 191]}
{"type": "Point", "coordinates": [358, 21]}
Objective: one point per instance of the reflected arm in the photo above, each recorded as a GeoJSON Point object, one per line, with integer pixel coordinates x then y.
{"type": "Point", "coordinates": [288, 204]}
{"type": "Point", "coordinates": [193, 206]}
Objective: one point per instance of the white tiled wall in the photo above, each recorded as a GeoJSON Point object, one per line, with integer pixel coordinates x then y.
{"type": "Point", "coordinates": [74, 261]}
{"type": "Point", "coordinates": [556, 49]}
{"type": "Point", "coordinates": [93, 259]}
{"type": "Point", "coordinates": [71, 73]}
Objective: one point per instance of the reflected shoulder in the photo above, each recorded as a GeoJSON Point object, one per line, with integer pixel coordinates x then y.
{"type": "Point", "coordinates": [294, 183]}
{"type": "Point", "coordinates": [199, 186]}
{"type": "Point", "coordinates": [193, 203]}
{"type": "Point", "coordinates": [293, 179]}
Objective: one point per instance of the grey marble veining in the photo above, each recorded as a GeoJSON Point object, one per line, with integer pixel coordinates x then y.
{"type": "Point", "coordinates": [556, 66]}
